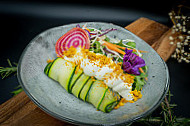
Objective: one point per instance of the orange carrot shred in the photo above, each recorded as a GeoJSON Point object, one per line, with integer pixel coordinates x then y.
{"type": "Point", "coordinates": [141, 70]}
{"type": "Point", "coordinates": [110, 46]}
{"type": "Point", "coordinates": [125, 47]}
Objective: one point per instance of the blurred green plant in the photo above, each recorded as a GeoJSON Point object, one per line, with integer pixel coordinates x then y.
{"type": "Point", "coordinates": [167, 116]}
{"type": "Point", "coordinates": [8, 71]}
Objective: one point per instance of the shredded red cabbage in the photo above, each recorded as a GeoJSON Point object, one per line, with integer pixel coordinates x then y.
{"type": "Point", "coordinates": [132, 62]}
{"type": "Point", "coordinates": [107, 31]}
{"type": "Point", "coordinates": [78, 26]}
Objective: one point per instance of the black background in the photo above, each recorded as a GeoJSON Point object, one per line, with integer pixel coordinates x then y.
{"type": "Point", "coordinates": [21, 21]}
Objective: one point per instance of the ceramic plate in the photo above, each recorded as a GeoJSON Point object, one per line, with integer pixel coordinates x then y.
{"type": "Point", "coordinates": [55, 100]}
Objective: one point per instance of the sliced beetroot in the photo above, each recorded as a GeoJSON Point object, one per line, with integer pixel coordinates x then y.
{"type": "Point", "coordinates": [76, 37]}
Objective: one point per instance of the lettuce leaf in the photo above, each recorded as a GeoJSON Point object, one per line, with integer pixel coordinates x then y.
{"type": "Point", "coordinates": [139, 81]}
{"type": "Point", "coordinates": [132, 44]}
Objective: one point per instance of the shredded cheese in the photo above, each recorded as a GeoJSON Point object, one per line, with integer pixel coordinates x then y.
{"type": "Point", "coordinates": [49, 60]}
{"type": "Point", "coordinates": [136, 95]}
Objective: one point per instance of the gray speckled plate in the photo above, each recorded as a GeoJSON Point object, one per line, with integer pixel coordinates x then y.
{"type": "Point", "coordinates": [55, 100]}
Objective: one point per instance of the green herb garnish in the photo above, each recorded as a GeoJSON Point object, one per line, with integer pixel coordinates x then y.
{"type": "Point", "coordinates": [7, 71]}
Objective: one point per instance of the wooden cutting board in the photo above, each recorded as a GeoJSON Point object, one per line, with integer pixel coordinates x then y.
{"type": "Point", "coordinates": [21, 111]}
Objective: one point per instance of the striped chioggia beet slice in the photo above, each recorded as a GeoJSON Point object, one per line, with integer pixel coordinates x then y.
{"type": "Point", "coordinates": [76, 37]}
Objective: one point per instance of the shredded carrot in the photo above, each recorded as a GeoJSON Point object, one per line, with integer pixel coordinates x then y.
{"type": "Point", "coordinates": [125, 47]}
{"type": "Point", "coordinates": [119, 47]}
{"type": "Point", "coordinates": [138, 50]}
{"type": "Point", "coordinates": [87, 29]}
{"type": "Point", "coordinates": [130, 49]}
{"type": "Point", "coordinates": [143, 51]}
{"type": "Point", "coordinates": [141, 70]}
{"type": "Point", "coordinates": [113, 47]}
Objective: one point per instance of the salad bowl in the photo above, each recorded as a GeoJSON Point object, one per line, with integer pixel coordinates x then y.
{"type": "Point", "coordinates": [57, 102]}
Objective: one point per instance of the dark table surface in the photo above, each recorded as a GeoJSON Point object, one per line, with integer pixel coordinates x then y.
{"type": "Point", "coordinates": [21, 21]}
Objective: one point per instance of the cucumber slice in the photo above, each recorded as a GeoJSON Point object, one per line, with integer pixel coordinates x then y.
{"type": "Point", "coordinates": [102, 99]}
{"type": "Point", "coordinates": [62, 71]}
{"type": "Point", "coordinates": [96, 93]}
{"type": "Point", "coordinates": [110, 100]}
{"type": "Point", "coordinates": [46, 70]}
{"type": "Point", "coordinates": [76, 76]}
{"type": "Point", "coordinates": [79, 85]}
{"type": "Point", "coordinates": [85, 90]}
{"type": "Point", "coordinates": [54, 70]}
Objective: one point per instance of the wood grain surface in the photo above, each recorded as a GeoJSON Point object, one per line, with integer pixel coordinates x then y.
{"type": "Point", "coordinates": [21, 111]}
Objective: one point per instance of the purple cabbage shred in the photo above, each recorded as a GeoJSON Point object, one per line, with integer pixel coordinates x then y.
{"type": "Point", "coordinates": [88, 33]}
{"type": "Point", "coordinates": [78, 26]}
{"type": "Point", "coordinates": [132, 62]}
{"type": "Point", "coordinates": [107, 31]}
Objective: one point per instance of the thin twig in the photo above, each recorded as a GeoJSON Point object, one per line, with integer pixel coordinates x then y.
{"type": "Point", "coordinates": [168, 107]}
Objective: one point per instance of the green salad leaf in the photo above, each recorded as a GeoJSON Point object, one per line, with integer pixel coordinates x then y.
{"type": "Point", "coordinates": [96, 46]}
{"type": "Point", "coordinates": [132, 44]}
{"type": "Point", "coordinates": [107, 39]}
{"type": "Point", "coordinates": [120, 43]}
{"type": "Point", "coordinates": [91, 29]}
{"type": "Point", "coordinates": [139, 81]}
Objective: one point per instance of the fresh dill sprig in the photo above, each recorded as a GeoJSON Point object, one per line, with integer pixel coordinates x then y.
{"type": "Point", "coordinates": [7, 71]}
